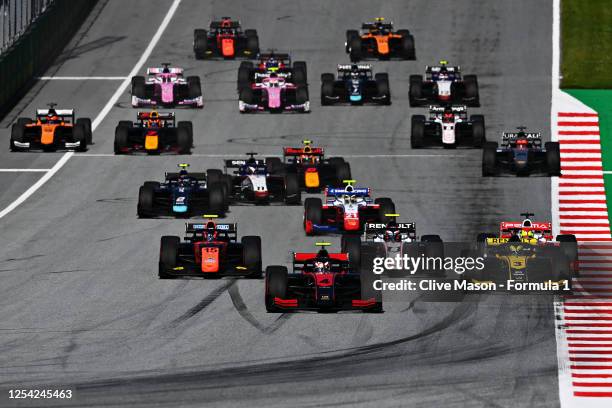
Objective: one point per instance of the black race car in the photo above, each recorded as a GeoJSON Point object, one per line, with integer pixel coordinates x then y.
{"type": "Point", "coordinates": [521, 153]}
{"type": "Point", "coordinates": [183, 194]}
{"type": "Point", "coordinates": [443, 84]}
{"type": "Point", "coordinates": [314, 171]}
{"type": "Point", "coordinates": [272, 64]}
{"type": "Point", "coordinates": [321, 281]}
{"type": "Point", "coordinates": [210, 250]}
{"type": "Point", "coordinates": [154, 133]}
{"type": "Point", "coordinates": [225, 39]}
{"type": "Point", "coordinates": [251, 182]}
{"type": "Point", "coordinates": [355, 85]}
{"type": "Point", "coordinates": [447, 126]}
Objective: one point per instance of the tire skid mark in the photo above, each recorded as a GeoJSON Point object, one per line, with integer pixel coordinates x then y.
{"type": "Point", "coordinates": [203, 304]}
{"type": "Point", "coordinates": [243, 311]}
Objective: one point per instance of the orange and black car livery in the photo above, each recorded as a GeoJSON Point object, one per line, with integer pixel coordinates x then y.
{"type": "Point", "coordinates": [377, 39]}
{"type": "Point", "coordinates": [314, 170]}
{"type": "Point", "coordinates": [154, 133]}
{"type": "Point", "coordinates": [321, 281]}
{"type": "Point", "coordinates": [52, 129]}
{"type": "Point", "coordinates": [210, 249]}
{"type": "Point", "coordinates": [225, 39]}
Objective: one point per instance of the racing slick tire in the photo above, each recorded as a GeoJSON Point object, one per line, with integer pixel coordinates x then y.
{"type": "Point", "coordinates": [343, 172]}
{"type": "Point", "coordinates": [121, 138]}
{"type": "Point", "coordinates": [183, 140]}
{"type": "Point", "coordinates": [407, 49]}
{"type": "Point", "coordinates": [351, 245]}
{"type": "Point", "coordinates": [86, 122]}
{"type": "Point", "coordinates": [350, 34]}
{"type": "Point", "coordinates": [187, 124]}
{"type": "Point", "coordinates": [79, 134]}
{"type": "Point", "coordinates": [252, 42]}
{"type": "Point", "coordinates": [355, 49]}
{"type": "Point", "coordinates": [246, 95]}
{"type": "Point", "coordinates": [415, 91]}
{"type": "Point", "coordinates": [293, 193]}
{"type": "Point", "coordinates": [327, 89]}
{"type": "Point", "coordinates": [213, 176]}
{"type": "Point", "coordinates": [470, 90]}
{"type": "Point", "coordinates": [251, 255]}
{"type": "Point", "coordinates": [245, 74]}
{"type": "Point", "coordinates": [313, 213]}
{"type": "Point", "coordinates": [367, 278]}
{"type": "Point", "coordinates": [217, 199]}
{"type": "Point", "coordinates": [274, 165]}
{"type": "Point", "coordinates": [478, 130]}
{"type": "Point", "coordinates": [553, 158]}
{"type": "Point", "coordinates": [194, 87]}
{"type": "Point", "coordinates": [168, 255]}
{"type": "Point", "coordinates": [569, 246]}
{"type": "Point", "coordinates": [382, 86]}
{"type": "Point", "coordinates": [17, 135]}
{"type": "Point", "coordinates": [386, 206]}
{"type": "Point", "coordinates": [489, 159]}
{"type": "Point", "coordinates": [139, 87]}
{"type": "Point", "coordinates": [200, 43]}
{"type": "Point", "coordinates": [146, 198]}
{"type": "Point", "coordinates": [276, 286]}
{"type": "Point", "coordinates": [300, 75]}
{"type": "Point", "coordinates": [301, 95]}
{"type": "Point", "coordinates": [417, 131]}
{"type": "Point", "coordinates": [125, 123]}
{"type": "Point", "coordinates": [24, 121]}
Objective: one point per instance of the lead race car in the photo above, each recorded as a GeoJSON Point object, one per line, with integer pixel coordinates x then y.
{"type": "Point", "coordinates": [251, 182]}
{"type": "Point", "coordinates": [183, 194]}
{"type": "Point", "coordinates": [356, 85]}
{"type": "Point", "coordinates": [378, 40]}
{"type": "Point", "coordinates": [210, 250]}
{"type": "Point", "coordinates": [313, 169]}
{"type": "Point", "coordinates": [447, 126]}
{"type": "Point", "coordinates": [443, 84]}
{"type": "Point", "coordinates": [154, 133]}
{"type": "Point", "coordinates": [166, 86]}
{"type": "Point", "coordinates": [225, 39]}
{"type": "Point", "coordinates": [345, 210]}
{"type": "Point", "coordinates": [52, 129]}
{"type": "Point", "coordinates": [275, 95]}
{"type": "Point", "coordinates": [320, 281]}
{"type": "Point", "coordinates": [521, 153]}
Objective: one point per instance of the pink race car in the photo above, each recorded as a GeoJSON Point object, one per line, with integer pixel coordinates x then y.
{"type": "Point", "coordinates": [166, 86]}
{"type": "Point", "coordinates": [274, 94]}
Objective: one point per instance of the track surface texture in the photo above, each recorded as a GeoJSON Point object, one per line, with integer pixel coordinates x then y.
{"type": "Point", "coordinates": [81, 305]}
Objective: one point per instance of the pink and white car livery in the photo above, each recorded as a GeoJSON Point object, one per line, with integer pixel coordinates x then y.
{"type": "Point", "coordinates": [166, 86]}
{"type": "Point", "coordinates": [274, 94]}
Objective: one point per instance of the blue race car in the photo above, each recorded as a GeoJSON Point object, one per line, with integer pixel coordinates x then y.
{"type": "Point", "coordinates": [355, 85]}
{"type": "Point", "coordinates": [521, 153]}
{"type": "Point", "coordinates": [183, 194]}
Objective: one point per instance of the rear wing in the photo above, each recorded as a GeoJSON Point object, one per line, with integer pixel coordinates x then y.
{"type": "Point", "coordinates": [230, 230]}
{"type": "Point", "coordinates": [171, 176]}
{"type": "Point", "coordinates": [299, 151]}
{"type": "Point", "coordinates": [372, 229]}
{"type": "Point", "coordinates": [58, 112]}
{"type": "Point", "coordinates": [154, 71]}
{"type": "Point", "coordinates": [434, 69]}
{"type": "Point", "coordinates": [369, 25]}
{"type": "Point", "coordinates": [534, 138]}
{"type": "Point", "coordinates": [268, 55]}
{"type": "Point", "coordinates": [160, 115]}
{"type": "Point", "coordinates": [454, 109]}
{"type": "Point", "coordinates": [305, 260]}
{"type": "Point", "coordinates": [355, 192]}
{"type": "Point", "coordinates": [535, 226]}
{"type": "Point", "coordinates": [236, 164]}
{"type": "Point", "coordinates": [342, 68]}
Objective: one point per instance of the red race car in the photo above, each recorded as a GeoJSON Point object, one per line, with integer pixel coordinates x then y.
{"type": "Point", "coordinates": [225, 39]}
{"type": "Point", "coordinates": [321, 281]}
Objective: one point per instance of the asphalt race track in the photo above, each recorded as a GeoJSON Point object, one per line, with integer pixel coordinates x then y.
{"type": "Point", "coordinates": [80, 302]}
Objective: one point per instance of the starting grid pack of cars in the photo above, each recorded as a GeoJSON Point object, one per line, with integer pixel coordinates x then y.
{"type": "Point", "coordinates": [318, 280]}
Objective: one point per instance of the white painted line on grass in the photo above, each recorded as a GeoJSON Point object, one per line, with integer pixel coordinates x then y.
{"type": "Point", "coordinates": [105, 110]}
{"type": "Point", "coordinates": [81, 78]}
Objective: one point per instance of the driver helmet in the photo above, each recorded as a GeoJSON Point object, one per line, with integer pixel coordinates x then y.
{"type": "Point", "coordinates": [321, 265]}
{"type": "Point", "coordinates": [354, 74]}
{"type": "Point", "coordinates": [251, 169]}
{"type": "Point", "coordinates": [526, 234]}
{"type": "Point", "coordinates": [166, 69]}
{"type": "Point", "coordinates": [210, 233]}
{"type": "Point", "coordinates": [448, 115]}
{"type": "Point", "coordinates": [272, 64]}
{"type": "Point", "coordinates": [154, 120]}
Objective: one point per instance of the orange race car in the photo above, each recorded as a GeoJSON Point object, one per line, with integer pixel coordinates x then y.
{"type": "Point", "coordinates": [378, 40]}
{"type": "Point", "coordinates": [51, 130]}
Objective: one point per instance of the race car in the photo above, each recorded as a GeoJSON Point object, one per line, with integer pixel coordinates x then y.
{"type": "Point", "coordinates": [210, 250]}
{"type": "Point", "coordinates": [52, 129]}
{"type": "Point", "coordinates": [521, 153]}
{"type": "Point", "coordinates": [378, 40]}
{"type": "Point", "coordinates": [345, 210]}
{"type": "Point", "coordinates": [270, 63]}
{"type": "Point", "coordinates": [320, 281]}
{"type": "Point", "coordinates": [225, 39]}
{"type": "Point", "coordinates": [166, 86]}
{"type": "Point", "coordinates": [314, 171]}
{"type": "Point", "coordinates": [443, 84]}
{"type": "Point", "coordinates": [154, 133]}
{"type": "Point", "coordinates": [447, 126]}
{"type": "Point", "coordinates": [183, 194]}
{"type": "Point", "coordinates": [356, 85]}
{"type": "Point", "coordinates": [251, 183]}
{"type": "Point", "coordinates": [275, 95]}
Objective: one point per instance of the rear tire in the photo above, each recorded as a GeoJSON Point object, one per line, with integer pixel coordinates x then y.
{"type": "Point", "coordinates": [17, 135]}
{"type": "Point", "coordinates": [293, 194]}
{"type": "Point", "coordinates": [300, 75]}
{"type": "Point", "coordinates": [382, 86]}
{"type": "Point", "coordinates": [276, 286]}
{"type": "Point", "coordinates": [86, 122]}
{"type": "Point", "coordinates": [168, 255]}
{"type": "Point", "coordinates": [416, 89]}
{"type": "Point", "coordinates": [489, 159]}
{"type": "Point", "coordinates": [245, 75]}
{"type": "Point", "coordinates": [79, 134]}
{"type": "Point", "coordinates": [200, 43]}
{"type": "Point", "coordinates": [301, 95]}
{"type": "Point", "coordinates": [183, 140]}
{"type": "Point", "coordinates": [407, 50]}
{"type": "Point", "coordinates": [194, 87]}
{"type": "Point", "coordinates": [313, 211]}
{"type": "Point", "coordinates": [216, 199]}
{"type": "Point", "coordinates": [351, 245]}
{"type": "Point", "coordinates": [274, 165]}
{"type": "Point", "coordinates": [252, 42]}
{"type": "Point", "coordinates": [553, 158]}
{"type": "Point", "coordinates": [121, 138]}
{"type": "Point", "coordinates": [327, 89]}
{"type": "Point", "coordinates": [470, 89]}
{"type": "Point", "coordinates": [417, 132]}
{"type": "Point", "coordinates": [146, 199]}
{"type": "Point", "coordinates": [246, 95]}
{"type": "Point", "coordinates": [189, 126]}
{"type": "Point", "coordinates": [138, 87]}
{"type": "Point", "coordinates": [386, 207]}
{"type": "Point", "coordinates": [350, 34]}
{"type": "Point", "coordinates": [355, 49]}
{"type": "Point", "coordinates": [478, 130]}
{"type": "Point", "coordinates": [251, 255]}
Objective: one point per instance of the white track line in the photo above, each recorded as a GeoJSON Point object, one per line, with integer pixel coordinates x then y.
{"type": "Point", "coordinates": [81, 78]}
{"type": "Point", "coordinates": [105, 110]}
{"type": "Point", "coordinates": [24, 170]}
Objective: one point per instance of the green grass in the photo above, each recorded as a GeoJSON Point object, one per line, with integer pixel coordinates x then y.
{"type": "Point", "coordinates": [586, 44]}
